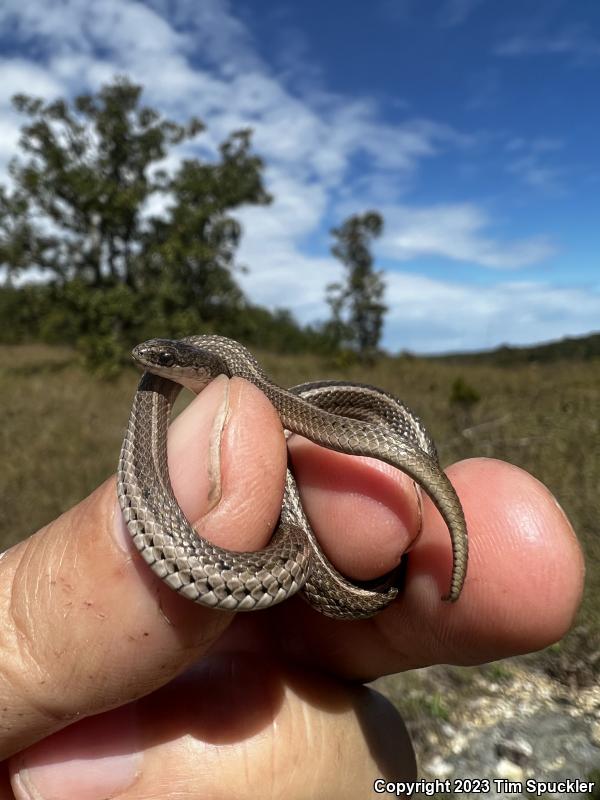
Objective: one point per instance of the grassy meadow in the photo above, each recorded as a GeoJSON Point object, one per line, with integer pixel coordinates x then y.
{"type": "Point", "coordinates": [62, 430]}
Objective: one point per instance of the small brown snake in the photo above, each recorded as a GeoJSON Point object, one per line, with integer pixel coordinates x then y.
{"type": "Point", "coordinates": [350, 418]}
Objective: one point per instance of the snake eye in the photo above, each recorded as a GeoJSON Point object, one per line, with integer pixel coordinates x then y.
{"type": "Point", "coordinates": [166, 359]}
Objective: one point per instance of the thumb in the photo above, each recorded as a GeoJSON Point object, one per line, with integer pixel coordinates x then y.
{"type": "Point", "coordinates": [86, 625]}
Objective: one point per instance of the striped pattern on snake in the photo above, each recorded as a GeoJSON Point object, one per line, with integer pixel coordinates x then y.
{"type": "Point", "coordinates": [346, 417]}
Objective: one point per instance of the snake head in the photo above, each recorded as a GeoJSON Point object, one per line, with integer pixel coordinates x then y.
{"type": "Point", "coordinates": [178, 361]}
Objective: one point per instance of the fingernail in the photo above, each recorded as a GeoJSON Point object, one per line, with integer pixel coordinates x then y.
{"type": "Point", "coordinates": [96, 758]}
{"type": "Point", "coordinates": [419, 496]}
{"type": "Point", "coordinates": [195, 449]}
{"type": "Point", "coordinates": [214, 443]}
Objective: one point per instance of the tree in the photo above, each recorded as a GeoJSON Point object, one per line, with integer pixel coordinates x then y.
{"type": "Point", "coordinates": [194, 242]}
{"type": "Point", "coordinates": [356, 304]}
{"type": "Point", "coordinates": [85, 180]}
{"type": "Point", "coordinates": [79, 212]}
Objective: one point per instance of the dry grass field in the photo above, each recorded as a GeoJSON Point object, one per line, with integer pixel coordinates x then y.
{"type": "Point", "coordinates": [62, 429]}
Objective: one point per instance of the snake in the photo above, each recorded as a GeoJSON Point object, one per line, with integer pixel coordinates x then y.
{"type": "Point", "coordinates": [353, 418]}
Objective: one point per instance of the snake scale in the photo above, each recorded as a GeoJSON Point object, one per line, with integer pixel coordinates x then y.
{"type": "Point", "coordinates": [347, 417]}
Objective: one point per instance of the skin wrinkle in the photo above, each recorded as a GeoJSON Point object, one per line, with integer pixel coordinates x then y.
{"type": "Point", "coordinates": [24, 645]}
{"type": "Point", "coordinates": [19, 682]}
{"type": "Point", "coordinates": [29, 657]}
{"type": "Point", "coordinates": [439, 630]}
{"type": "Point", "coordinates": [33, 642]}
{"type": "Point", "coordinates": [318, 740]}
{"type": "Point", "coordinates": [20, 687]}
{"type": "Point", "coordinates": [125, 543]}
{"type": "Point", "coordinates": [166, 605]}
{"type": "Point", "coordinates": [299, 722]}
{"type": "Point", "coordinates": [269, 763]}
{"type": "Point", "coordinates": [386, 631]}
{"type": "Point", "coordinates": [249, 762]}
{"type": "Point", "coordinates": [49, 586]}
{"type": "Point", "coordinates": [323, 751]}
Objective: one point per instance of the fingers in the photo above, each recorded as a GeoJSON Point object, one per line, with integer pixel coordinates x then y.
{"type": "Point", "coordinates": [525, 574]}
{"type": "Point", "coordinates": [236, 726]}
{"type": "Point", "coordinates": [523, 587]}
{"type": "Point", "coordinates": [86, 625]}
{"type": "Point", "coordinates": [365, 513]}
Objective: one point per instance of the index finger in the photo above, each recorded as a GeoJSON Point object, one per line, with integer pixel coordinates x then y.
{"type": "Point", "coordinates": [524, 584]}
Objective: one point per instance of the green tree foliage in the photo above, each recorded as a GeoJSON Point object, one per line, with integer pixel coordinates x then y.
{"type": "Point", "coordinates": [357, 307]}
{"type": "Point", "coordinates": [85, 186]}
{"type": "Point", "coordinates": [83, 182]}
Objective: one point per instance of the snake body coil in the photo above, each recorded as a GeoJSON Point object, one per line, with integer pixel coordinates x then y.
{"type": "Point", "coordinates": [350, 418]}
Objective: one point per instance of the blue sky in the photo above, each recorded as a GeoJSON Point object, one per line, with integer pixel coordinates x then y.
{"type": "Point", "coordinates": [471, 125]}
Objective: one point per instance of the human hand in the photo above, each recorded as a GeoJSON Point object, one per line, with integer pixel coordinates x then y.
{"type": "Point", "coordinates": [165, 698]}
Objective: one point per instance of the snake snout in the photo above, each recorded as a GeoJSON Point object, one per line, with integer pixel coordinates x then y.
{"type": "Point", "coordinates": [138, 354]}
{"type": "Point", "coordinates": [155, 355]}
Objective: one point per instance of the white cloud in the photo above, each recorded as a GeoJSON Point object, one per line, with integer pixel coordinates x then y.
{"type": "Point", "coordinates": [575, 41]}
{"type": "Point", "coordinates": [428, 315]}
{"type": "Point", "coordinates": [19, 75]}
{"type": "Point", "coordinates": [214, 32]}
{"type": "Point", "coordinates": [299, 209]}
{"type": "Point", "coordinates": [457, 232]}
{"type": "Point", "coordinates": [317, 140]}
{"type": "Point", "coordinates": [199, 59]}
{"type": "Point", "coordinates": [322, 136]}
{"type": "Point", "coordinates": [530, 163]}
{"type": "Point", "coordinates": [541, 144]}
{"type": "Point", "coordinates": [537, 175]}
